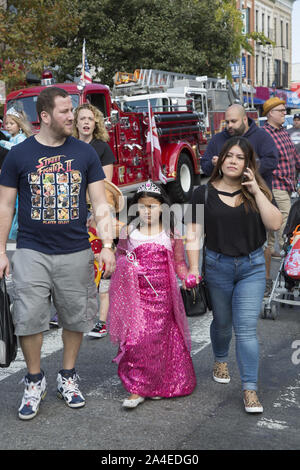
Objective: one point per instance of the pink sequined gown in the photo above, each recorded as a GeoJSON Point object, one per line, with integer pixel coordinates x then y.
{"type": "Point", "coordinates": [151, 330]}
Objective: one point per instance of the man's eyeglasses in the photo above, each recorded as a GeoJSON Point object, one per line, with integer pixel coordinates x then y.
{"type": "Point", "coordinates": [280, 110]}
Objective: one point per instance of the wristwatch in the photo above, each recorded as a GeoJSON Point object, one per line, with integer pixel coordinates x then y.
{"type": "Point", "coordinates": [109, 245]}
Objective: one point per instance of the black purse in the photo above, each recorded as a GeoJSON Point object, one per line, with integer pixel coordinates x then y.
{"type": "Point", "coordinates": [8, 340]}
{"type": "Point", "coordinates": [197, 300]}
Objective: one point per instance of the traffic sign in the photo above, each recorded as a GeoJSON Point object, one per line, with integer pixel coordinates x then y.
{"type": "Point", "coordinates": [235, 68]}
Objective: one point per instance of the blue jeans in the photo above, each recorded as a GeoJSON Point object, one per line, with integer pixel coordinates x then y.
{"type": "Point", "coordinates": [236, 286]}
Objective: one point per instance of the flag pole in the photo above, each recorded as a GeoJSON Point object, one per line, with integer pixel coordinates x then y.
{"type": "Point", "coordinates": [151, 137]}
{"type": "Point", "coordinates": [83, 61]}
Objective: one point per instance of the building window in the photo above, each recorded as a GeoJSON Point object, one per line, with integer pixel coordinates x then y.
{"type": "Point", "coordinates": [277, 73]}
{"type": "Point", "coordinates": [269, 27]}
{"type": "Point", "coordinates": [268, 73]}
{"type": "Point", "coordinates": [248, 19]}
{"type": "Point", "coordinates": [281, 32]}
{"type": "Point", "coordinates": [249, 67]}
{"type": "Point", "coordinates": [285, 75]}
{"type": "Point", "coordinates": [263, 23]}
{"type": "Point", "coordinates": [256, 21]}
{"type": "Point", "coordinates": [263, 71]}
{"type": "Point", "coordinates": [256, 69]}
{"type": "Point", "coordinates": [275, 30]}
{"type": "Point", "coordinates": [287, 35]}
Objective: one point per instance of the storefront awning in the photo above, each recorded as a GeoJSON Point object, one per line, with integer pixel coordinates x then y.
{"type": "Point", "coordinates": [255, 100]}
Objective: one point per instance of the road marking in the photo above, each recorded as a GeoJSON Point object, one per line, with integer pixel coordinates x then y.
{"type": "Point", "coordinates": [272, 424]}
{"type": "Point", "coordinates": [288, 398]}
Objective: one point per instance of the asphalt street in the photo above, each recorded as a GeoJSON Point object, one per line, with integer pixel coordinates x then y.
{"type": "Point", "coordinates": [212, 418]}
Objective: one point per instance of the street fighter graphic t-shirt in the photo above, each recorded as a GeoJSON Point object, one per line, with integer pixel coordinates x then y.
{"type": "Point", "coordinates": [52, 183]}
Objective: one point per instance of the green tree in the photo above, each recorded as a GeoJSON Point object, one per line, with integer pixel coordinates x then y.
{"type": "Point", "coordinates": [32, 30]}
{"type": "Point", "coordinates": [195, 36]}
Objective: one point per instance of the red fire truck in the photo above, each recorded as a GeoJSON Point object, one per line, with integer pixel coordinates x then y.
{"type": "Point", "coordinates": [180, 135]}
{"type": "Point", "coordinates": [188, 110]}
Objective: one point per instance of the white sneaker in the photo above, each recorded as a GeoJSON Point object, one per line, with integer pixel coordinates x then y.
{"type": "Point", "coordinates": [127, 403]}
{"type": "Point", "coordinates": [67, 389]}
{"type": "Point", "coordinates": [34, 393]}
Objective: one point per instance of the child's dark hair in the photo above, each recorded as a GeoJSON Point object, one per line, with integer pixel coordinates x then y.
{"type": "Point", "coordinates": [163, 198]}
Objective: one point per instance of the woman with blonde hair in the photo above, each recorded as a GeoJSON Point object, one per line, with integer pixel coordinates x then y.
{"type": "Point", "coordinates": [89, 127]}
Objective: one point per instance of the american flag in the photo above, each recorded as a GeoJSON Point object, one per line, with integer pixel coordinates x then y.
{"type": "Point", "coordinates": [85, 72]}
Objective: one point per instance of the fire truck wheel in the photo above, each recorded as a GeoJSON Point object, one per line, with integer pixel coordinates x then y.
{"type": "Point", "coordinates": [181, 189]}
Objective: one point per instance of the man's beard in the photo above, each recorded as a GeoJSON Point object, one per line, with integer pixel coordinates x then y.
{"type": "Point", "coordinates": [59, 130]}
{"type": "Point", "coordinates": [239, 131]}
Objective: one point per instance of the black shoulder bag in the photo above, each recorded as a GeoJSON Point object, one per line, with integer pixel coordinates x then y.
{"type": "Point", "coordinates": [197, 300]}
{"type": "Point", "coordinates": [8, 340]}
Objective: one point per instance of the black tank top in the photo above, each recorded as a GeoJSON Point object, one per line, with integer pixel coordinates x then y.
{"type": "Point", "coordinates": [229, 230]}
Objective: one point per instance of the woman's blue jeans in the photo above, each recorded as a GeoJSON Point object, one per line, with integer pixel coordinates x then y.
{"type": "Point", "coordinates": [236, 286]}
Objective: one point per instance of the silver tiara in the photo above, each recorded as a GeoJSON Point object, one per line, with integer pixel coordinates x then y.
{"type": "Point", "coordinates": [13, 112]}
{"type": "Point", "coordinates": [148, 187]}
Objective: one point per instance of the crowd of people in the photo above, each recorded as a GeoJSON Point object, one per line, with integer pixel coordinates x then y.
{"type": "Point", "coordinates": [136, 266]}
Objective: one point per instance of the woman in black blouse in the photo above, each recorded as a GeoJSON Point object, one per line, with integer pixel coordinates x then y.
{"type": "Point", "coordinates": [238, 210]}
{"type": "Point", "coordinates": [89, 126]}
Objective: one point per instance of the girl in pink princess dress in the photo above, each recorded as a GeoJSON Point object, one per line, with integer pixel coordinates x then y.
{"type": "Point", "coordinates": [146, 315]}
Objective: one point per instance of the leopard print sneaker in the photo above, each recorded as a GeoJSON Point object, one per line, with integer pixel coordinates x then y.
{"type": "Point", "coordinates": [251, 402]}
{"type": "Point", "coordinates": [220, 373]}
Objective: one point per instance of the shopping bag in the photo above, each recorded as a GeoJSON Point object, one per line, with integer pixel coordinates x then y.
{"type": "Point", "coordinates": [8, 340]}
{"type": "Point", "coordinates": [196, 300]}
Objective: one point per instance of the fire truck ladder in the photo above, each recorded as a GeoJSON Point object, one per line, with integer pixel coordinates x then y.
{"type": "Point", "coordinates": [159, 78]}
{"type": "Point", "coordinates": [150, 80]}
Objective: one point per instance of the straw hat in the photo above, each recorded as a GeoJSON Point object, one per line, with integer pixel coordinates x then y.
{"type": "Point", "coordinates": [118, 195]}
{"type": "Point", "coordinates": [271, 103]}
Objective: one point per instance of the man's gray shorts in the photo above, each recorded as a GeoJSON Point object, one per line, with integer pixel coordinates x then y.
{"type": "Point", "coordinates": [67, 279]}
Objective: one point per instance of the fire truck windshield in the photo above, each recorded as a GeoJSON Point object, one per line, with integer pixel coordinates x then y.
{"type": "Point", "coordinates": [28, 105]}
{"type": "Point", "coordinates": [141, 105]}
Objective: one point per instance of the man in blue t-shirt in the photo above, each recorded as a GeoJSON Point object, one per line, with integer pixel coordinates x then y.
{"type": "Point", "coordinates": [51, 173]}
